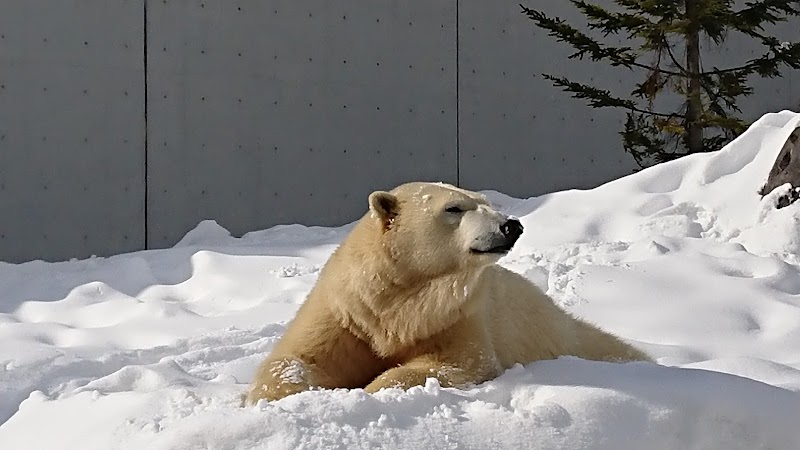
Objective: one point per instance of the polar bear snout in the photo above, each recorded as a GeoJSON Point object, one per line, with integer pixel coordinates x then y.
{"type": "Point", "coordinates": [512, 230]}
{"type": "Point", "coordinates": [499, 241]}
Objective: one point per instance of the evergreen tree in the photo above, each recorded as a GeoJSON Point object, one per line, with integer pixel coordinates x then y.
{"type": "Point", "coordinates": [667, 36]}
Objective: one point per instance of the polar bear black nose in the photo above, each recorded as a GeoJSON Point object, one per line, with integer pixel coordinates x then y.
{"type": "Point", "coordinates": [512, 229]}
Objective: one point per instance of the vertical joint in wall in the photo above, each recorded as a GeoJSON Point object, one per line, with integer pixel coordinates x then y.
{"type": "Point", "coordinates": [458, 98]}
{"type": "Point", "coordinates": [146, 139]}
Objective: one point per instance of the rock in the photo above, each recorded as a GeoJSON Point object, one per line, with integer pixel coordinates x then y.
{"type": "Point", "coordinates": [786, 170]}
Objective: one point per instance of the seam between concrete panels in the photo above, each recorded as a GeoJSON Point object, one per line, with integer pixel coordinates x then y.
{"type": "Point", "coordinates": [458, 97]}
{"type": "Point", "coordinates": [146, 137]}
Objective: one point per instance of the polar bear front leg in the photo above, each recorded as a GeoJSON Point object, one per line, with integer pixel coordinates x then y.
{"type": "Point", "coordinates": [459, 356]}
{"type": "Point", "coordinates": [278, 377]}
{"type": "Point", "coordinates": [315, 352]}
{"type": "Point", "coordinates": [414, 373]}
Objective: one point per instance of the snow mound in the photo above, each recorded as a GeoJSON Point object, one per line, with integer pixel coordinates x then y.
{"type": "Point", "coordinates": [207, 232]}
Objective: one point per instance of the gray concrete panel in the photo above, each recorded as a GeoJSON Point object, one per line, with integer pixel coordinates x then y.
{"type": "Point", "coordinates": [71, 128]}
{"type": "Point", "coordinates": [287, 111]}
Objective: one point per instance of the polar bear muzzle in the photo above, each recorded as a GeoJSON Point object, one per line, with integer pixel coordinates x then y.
{"type": "Point", "coordinates": [500, 241]}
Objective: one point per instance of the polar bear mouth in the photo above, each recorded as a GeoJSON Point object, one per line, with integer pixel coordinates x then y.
{"type": "Point", "coordinates": [498, 250]}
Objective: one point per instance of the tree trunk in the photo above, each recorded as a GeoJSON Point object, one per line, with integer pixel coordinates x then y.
{"type": "Point", "coordinates": [694, 101]}
{"type": "Point", "coordinates": [785, 170]}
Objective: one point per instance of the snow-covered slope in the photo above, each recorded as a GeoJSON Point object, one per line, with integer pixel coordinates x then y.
{"type": "Point", "coordinates": [684, 260]}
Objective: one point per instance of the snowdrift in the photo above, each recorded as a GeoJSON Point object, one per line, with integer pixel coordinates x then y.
{"type": "Point", "coordinates": [684, 260]}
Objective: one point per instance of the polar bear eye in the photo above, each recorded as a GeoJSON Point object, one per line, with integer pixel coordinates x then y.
{"type": "Point", "coordinates": [454, 210]}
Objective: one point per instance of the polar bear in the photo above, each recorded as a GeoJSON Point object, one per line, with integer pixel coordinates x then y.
{"type": "Point", "coordinates": [413, 292]}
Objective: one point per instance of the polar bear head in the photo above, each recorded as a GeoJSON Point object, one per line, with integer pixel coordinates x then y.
{"type": "Point", "coordinates": [435, 228]}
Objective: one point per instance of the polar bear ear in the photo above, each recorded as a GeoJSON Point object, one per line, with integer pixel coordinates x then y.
{"type": "Point", "coordinates": [384, 205]}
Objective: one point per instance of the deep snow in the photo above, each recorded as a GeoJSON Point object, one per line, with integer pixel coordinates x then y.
{"type": "Point", "coordinates": [684, 260]}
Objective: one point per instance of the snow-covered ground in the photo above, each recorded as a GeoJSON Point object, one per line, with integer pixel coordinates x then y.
{"type": "Point", "coordinates": [153, 349]}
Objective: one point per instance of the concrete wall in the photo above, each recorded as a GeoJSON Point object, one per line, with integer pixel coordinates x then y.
{"type": "Point", "coordinates": [264, 112]}
{"type": "Point", "coordinates": [71, 128]}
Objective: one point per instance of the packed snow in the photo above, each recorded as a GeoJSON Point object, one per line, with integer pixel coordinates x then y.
{"type": "Point", "coordinates": [684, 260]}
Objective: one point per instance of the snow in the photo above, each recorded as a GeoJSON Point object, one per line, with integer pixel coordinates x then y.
{"type": "Point", "coordinates": [684, 260]}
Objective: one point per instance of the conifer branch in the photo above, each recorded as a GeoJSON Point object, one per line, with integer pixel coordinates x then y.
{"type": "Point", "coordinates": [585, 45]}
{"type": "Point", "coordinates": [611, 23]}
{"type": "Point", "coordinates": [674, 60]}
{"type": "Point", "coordinates": [756, 13]}
{"type": "Point", "coordinates": [767, 65]}
{"type": "Point", "coordinates": [600, 98]}
{"type": "Point", "coordinates": [665, 10]}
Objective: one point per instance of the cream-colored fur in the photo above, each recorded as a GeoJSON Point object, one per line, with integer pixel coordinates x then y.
{"type": "Point", "coordinates": [409, 295]}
